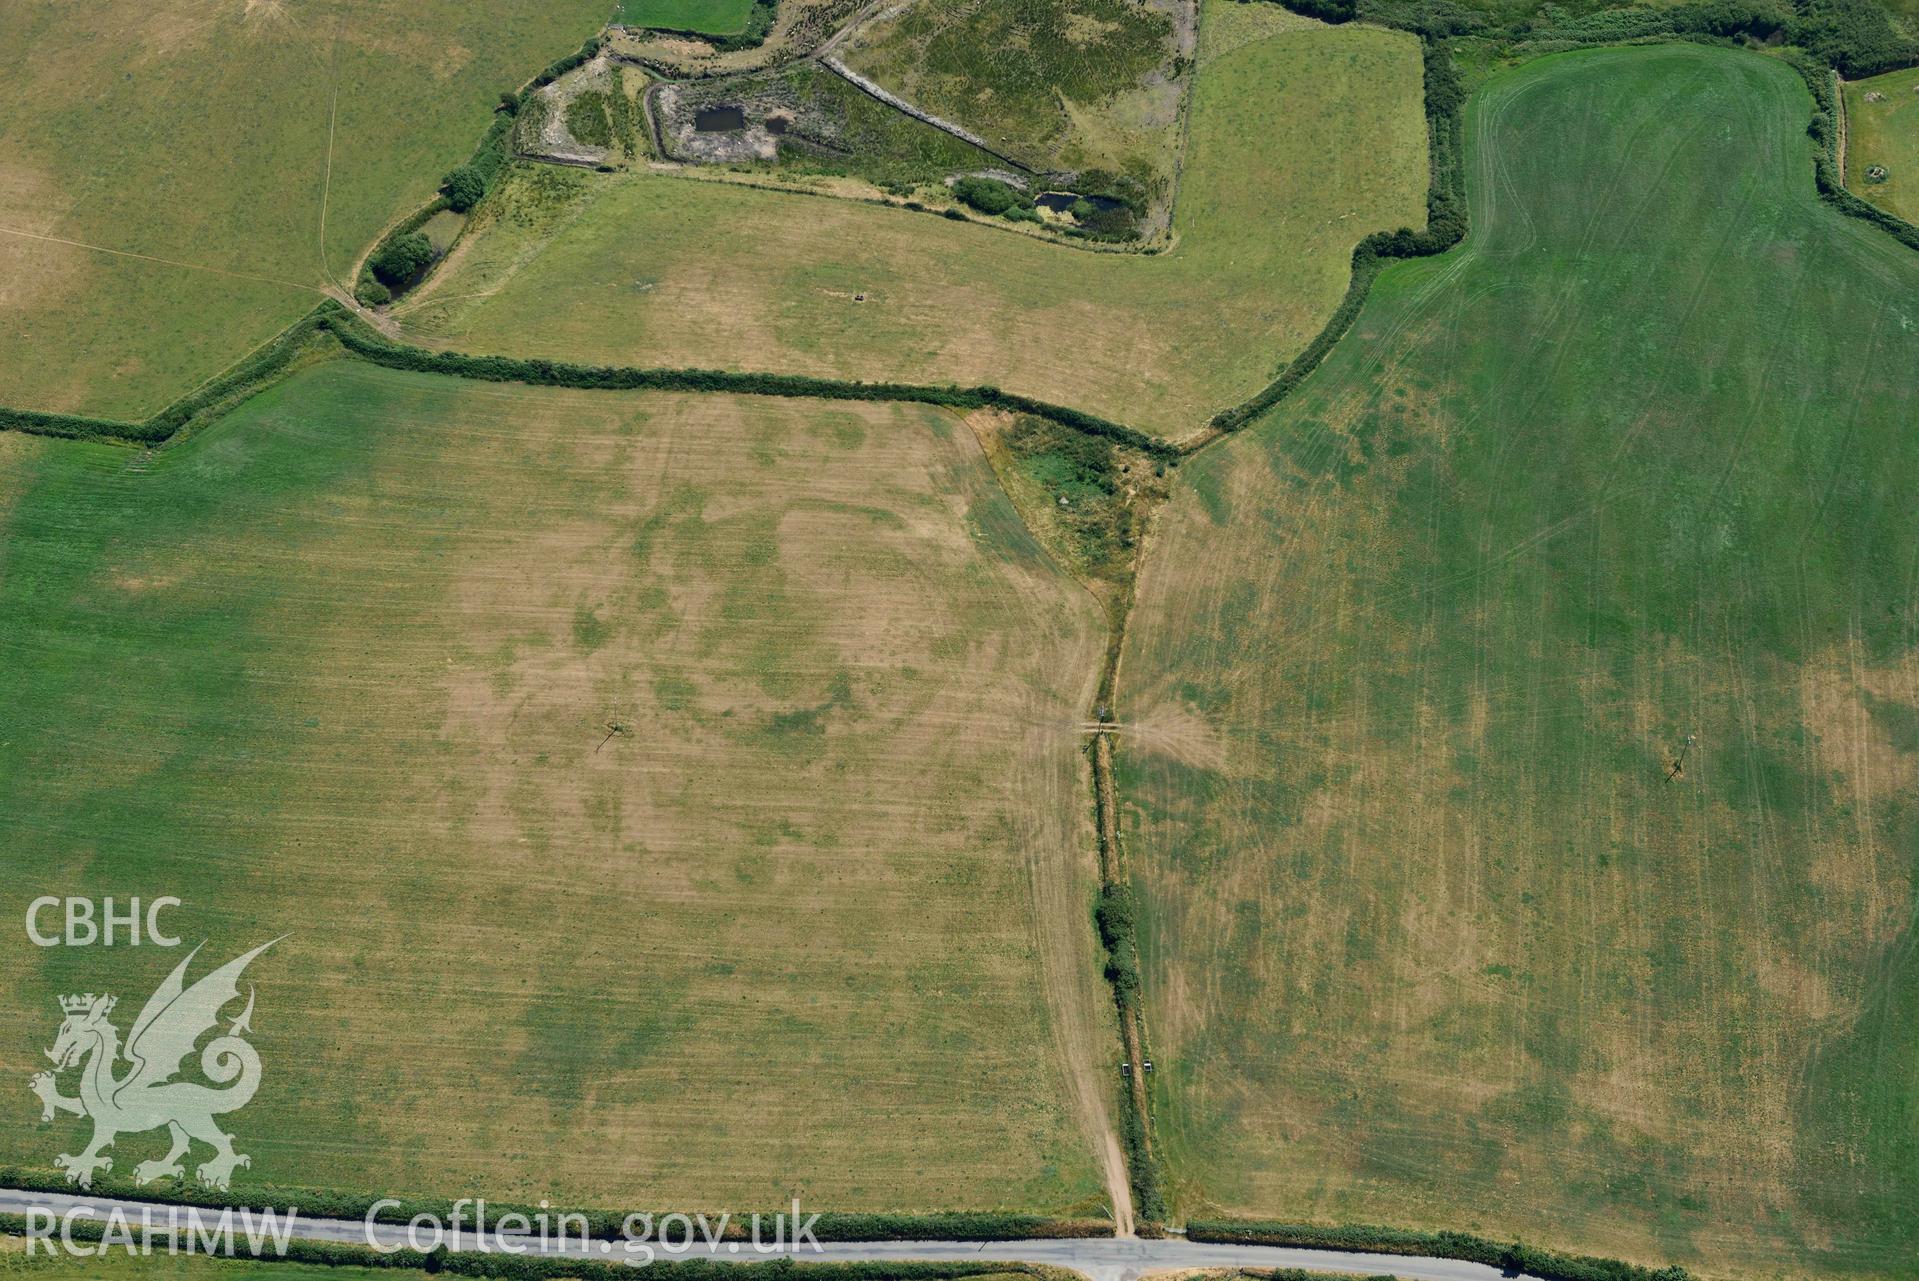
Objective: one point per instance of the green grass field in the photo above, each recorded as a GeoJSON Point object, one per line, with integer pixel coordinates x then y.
{"type": "Point", "coordinates": [708, 17]}
{"type": "Point", "coordinates": [670, 800]}
{"type": "Point", "coordinates": [1885, 133]}
{"type": "Point", "coordinates": [1433, 936]}
{"type": "Point", "coordinates": [166, 167]}
{"type": "Point", "coordinates": [118, 1265]}
{"type": "Point", "coordinates": [630, 269]}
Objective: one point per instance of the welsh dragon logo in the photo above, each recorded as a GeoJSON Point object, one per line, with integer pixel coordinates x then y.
{"type": "Point", "coordinates": [146, 1095]}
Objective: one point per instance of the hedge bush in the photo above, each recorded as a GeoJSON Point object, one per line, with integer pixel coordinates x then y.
{"type": "Point", "coordinates": [401, 258]}
{"type": "Point", "coordinates": [463, 188]}
{"type": "Point", "coordinates": [988, 195]}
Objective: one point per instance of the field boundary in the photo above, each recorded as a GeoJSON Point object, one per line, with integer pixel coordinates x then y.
{"type": "Point", "coordinates": [360, 340]}
{"type": "Point", "coordinates": [1444, 99]}
{"type": "Point", "coordinates": [1512, 1257]}
{"type": "Point", "coordinates": [238, 382]}
{"type": "Point", "coordinates": [601, 1224]}
{"type": "Point", "coordinates": [1828, 175]}
{"type": "Point", "coordinates": [537, 1267]}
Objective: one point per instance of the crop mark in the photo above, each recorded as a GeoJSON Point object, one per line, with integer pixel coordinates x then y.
{"type": "Point", "coordinates": [167, 262]}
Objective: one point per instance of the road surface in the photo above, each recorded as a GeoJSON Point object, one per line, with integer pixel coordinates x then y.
{"type": "Point", "coordinates": [1098, 1258]}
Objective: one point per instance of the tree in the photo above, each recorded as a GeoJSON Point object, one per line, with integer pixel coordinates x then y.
{"type": "Point", "coordinates": [988, 195]}
{"type": "Point", "coordinates": [463, 188]}
{"type": "Point", "coordinates": [402, 258]}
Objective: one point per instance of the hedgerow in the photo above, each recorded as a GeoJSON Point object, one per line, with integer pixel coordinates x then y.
{"type": "Point", "coordinates": [365, 342]}
{"type": "Point", "coordinates": [1717, 21]}
{"type": "Point", "coordinates": [601, 1224]}
{"type": "Point", "coordinates": [1509, 1256]}
{"type": "Point", "coordinates": [361, 340]}
{"type": "Point", "coordinates": [1825, 165]}
{"type": "Point", "coordinates": [536, 1267]}
{"type": "Point", "coordinates": [223, 391]}
{"type": "Point", "coordinates": [1445, 98]}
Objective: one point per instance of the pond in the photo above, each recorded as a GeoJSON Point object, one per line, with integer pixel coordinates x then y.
{"type": "Point", "coordinates": [1063, 201]}
{"type": "Point", "coordinates": [719, 120]}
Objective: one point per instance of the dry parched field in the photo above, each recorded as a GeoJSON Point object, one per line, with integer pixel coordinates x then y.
{"type": "Point", "coordinates": [180, 178]}
{"type": "Point", "coordinates": [1435, 934]}
{"type": "Point", "coordinates": [1302, 141]}
{"type": "Point", "coordinates": [671, 801]}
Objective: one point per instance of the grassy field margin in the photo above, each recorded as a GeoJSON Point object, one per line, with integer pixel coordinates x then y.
{"type": "Point", "coordinates": [486, 1264]}
{"type": "Point", "coordinates": [603, 1225]}
{"type": "Point", "coordinates": [1510, 1257]}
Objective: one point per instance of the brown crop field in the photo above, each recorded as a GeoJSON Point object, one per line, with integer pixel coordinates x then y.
{"type": "Point", "coordinates": [670, 801]}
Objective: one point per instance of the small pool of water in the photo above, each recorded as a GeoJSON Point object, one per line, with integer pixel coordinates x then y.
{"type": "Point", "coordinates": [719, 120]}
{"type": "Point", "coordinates": [778, 124]}
{"type": "Point", "coordinates": [1063, 201]}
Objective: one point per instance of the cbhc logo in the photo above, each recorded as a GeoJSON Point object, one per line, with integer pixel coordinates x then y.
{"type": "Point", "coordinates": [84, 927]}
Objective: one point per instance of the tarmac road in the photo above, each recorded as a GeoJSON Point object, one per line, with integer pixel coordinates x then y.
{"type": "Point", "coordinates": [1097, 1258]}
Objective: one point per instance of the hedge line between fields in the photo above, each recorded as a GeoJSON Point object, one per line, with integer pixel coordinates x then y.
{"type": "Point", "coordinates": [1825, 163]}
{"type": "Point", "coordinates": [533, 1267]}
{"type": "Point", "coordinates": [1117, 927]}
{"type": "Point", "coordinates": [368, 344]}
{"type": "Point", "coordinates": [314, 1203]}
{"type": "Point", "coordinates": [1716, 22]}
{"type": "Point", "coordinates": [1509, 1256]}
{"type": "Point", "coordinates": [1445, 99]}
{"type": "Point", "coordinates": [234, 384]}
